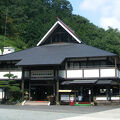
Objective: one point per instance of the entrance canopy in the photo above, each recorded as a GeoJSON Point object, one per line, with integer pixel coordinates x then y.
{"type": "Point", "coordinates": [104, 82]}
{"type": "Point", "coordinates": [81, 82]}
{"type": "Point", "coordinates": [85, 82]}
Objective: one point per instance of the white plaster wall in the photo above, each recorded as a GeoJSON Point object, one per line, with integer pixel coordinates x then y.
{"type": "Point", "coordinates": [91, 73]}
{"type": "Point", "coordinates": [17, 73]}
{"type": "Point", "coordinates": [1, 93]}
{"type": "Point", "coordinates": [2, 73]}
{"type": "Point", "coordinates": [0, 52]}
{"type": "Point", "coordinates": [107, 72]}
{"type": "Point", "coordinates": [105, 98]}
{"type": "Point", "coordinates": [74, 74]}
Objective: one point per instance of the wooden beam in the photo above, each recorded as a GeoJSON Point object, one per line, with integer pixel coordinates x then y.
{"type": "Point", "coordinates": [99, 72]}
{"type": "Point", "coordinates": [29, 85]}
{"type": "Point", "coordinates": [115, 67]}
{"type": "Point", "coordinates": [57, 93]}
{"type": "Point", "coordinates": [57, 87]}
{"type": "Point", "coordinates": [2, 94]}
{"type": "Point", "coordinates": [82, 73]}
{"type": "Point", "coordinates": [54, 89]}
{"type": "Point", "coordinates": [22, 84]}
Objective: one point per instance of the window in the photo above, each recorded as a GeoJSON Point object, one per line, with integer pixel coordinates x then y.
{"type": "Point", "coordinates": [90, 64]}
{"type": "Point", "coordinates": [83, 64]}
{"type": "Point", "coordinates": [102, 63]}
{"type": "Point", "coordinates": [71, 65]}
{"type": "Point", "coordinates": [76, 65]}
{"type": "Point", "coordinates": [96, 63]}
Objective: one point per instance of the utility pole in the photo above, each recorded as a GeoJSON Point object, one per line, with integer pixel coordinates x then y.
{"type": "Point", "coordinates": [5, 30]}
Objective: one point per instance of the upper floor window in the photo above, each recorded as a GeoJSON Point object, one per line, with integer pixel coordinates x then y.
{"type": "Point", "coordinates": [87, 64]}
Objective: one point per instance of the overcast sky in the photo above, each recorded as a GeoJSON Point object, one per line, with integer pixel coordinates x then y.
{"type": "Point", "coordinates": [102, 13]}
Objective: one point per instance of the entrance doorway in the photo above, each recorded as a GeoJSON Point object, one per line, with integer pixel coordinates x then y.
{"type": "Point", "coordinates": [41, 93]}
{"type": "Point", "coordinates": [85, 94]}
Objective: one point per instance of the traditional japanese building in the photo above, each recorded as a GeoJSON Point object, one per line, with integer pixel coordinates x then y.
{"type": "Point", "coordinates": [63, 66]}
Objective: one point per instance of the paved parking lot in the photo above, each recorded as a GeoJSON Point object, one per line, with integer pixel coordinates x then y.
{"type": "Point", "coordinates": [62, 108]}
{"type": "Point", "coordinates": [12, 112]}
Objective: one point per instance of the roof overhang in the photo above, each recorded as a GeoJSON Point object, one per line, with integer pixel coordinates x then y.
{"type": "Point", "coordinates": [104, 82]}
{"type": "Point", "coordinates": [79, 82]}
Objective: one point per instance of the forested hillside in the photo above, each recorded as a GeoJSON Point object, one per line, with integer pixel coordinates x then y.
{"type": "Point", "coordinates": [29, 20]}
{"type": "Point", "coordinates": [14, 42]}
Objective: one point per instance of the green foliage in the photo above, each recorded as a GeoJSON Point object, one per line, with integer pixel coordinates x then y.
{"type": "Point", "coordinates": [11, 87]}
{"type": "Point", "coordinates": [28, 21]}
{"type": "Point", "coordinates": [12, 42]}
{"type": "Point", "coordinates": [8, 75]}
{"type": "Point", "coordinates": [14, 88]}
{"type": "Point", "coordinates": [92, 35]}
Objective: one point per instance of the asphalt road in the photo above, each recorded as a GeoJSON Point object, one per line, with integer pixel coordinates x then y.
{"type": "Point", "coordinates": [12, 112]}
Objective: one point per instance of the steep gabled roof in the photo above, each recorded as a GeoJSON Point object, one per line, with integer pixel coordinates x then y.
{"type": "Point", "coordinates": [64, 26]}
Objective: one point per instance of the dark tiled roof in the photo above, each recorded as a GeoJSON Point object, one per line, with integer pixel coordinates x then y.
{"type": "Point", "coordinates": [54, 54]}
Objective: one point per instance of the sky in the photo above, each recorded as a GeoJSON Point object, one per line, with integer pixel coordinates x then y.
{"type": "Point", "coordinates": [103, 13]}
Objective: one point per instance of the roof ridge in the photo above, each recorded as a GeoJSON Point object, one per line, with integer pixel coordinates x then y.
{"type": "Point", "coordinates": [70, 29]}
{"type": "Point", "coordinates": [66, 26]}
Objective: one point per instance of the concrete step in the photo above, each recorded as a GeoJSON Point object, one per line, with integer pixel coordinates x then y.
{"type": "Point", "coordinates": [37, 103]}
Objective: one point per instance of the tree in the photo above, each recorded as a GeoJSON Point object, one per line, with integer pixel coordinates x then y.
{"type": "Point", "coordinates": [12, 42]}
{"type": "Point", "coordinates": [11, 88]}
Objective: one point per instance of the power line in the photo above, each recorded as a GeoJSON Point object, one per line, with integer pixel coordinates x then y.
{"type": "Point", "coordinates": [5, 31]}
